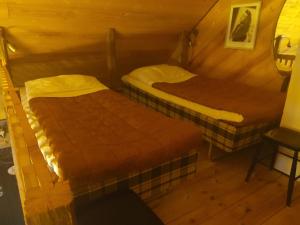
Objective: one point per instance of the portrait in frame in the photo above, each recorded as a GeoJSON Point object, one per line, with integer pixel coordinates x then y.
{"type": "Point", "coordinates": [242, 26]}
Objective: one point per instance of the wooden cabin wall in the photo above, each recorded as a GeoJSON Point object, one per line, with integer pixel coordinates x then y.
{"type": "Point", "coordinates": [254, 67]}
{"type": "Point", "coordinates": [54, 36]}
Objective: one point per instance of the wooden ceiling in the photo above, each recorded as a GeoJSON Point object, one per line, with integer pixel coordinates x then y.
{"type": "Point", "coordinates": [45, 26]}
{"type": "Point", "coordinates": [69, 36]}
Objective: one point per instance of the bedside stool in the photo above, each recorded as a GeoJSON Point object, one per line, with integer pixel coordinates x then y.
{"type": "Point", "coordinates": [281, 137]}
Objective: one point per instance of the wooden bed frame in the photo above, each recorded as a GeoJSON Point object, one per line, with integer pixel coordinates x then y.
{"type": "Point", "coordinates": [242, 137]}
{"type": "Point", "coordinates": [44, 199]}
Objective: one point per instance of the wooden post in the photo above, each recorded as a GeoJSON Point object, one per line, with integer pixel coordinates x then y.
{"type": "Point", "coordinates": [184, 39]}
{"type": "Point", "coordinates": [180, 55]}
{"type": "Point", "coordinates": [3, 48]}
{"type": "Point", "coordinates": [112, 60]}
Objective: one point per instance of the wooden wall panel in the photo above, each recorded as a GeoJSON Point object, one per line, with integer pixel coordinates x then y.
{"type": "Point", "coordinates": [147, 30]}
{"type": "Point", "coordinates": [255, 67]}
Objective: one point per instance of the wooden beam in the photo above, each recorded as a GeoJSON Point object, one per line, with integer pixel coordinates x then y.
{"type": "Point", "coordinates": [184, 42]}
{"type": "Point", "coordinates": [180, 55]}
{"type": "Point", "coordinates": [112, 59]}
{"type": "Point", "coordinates": [3, 48]}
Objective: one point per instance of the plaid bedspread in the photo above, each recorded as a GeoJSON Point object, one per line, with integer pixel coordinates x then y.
{"type": "Point", "coordinates": [148, 184]}
{"type": "Point", "coordinates": [223, 135]}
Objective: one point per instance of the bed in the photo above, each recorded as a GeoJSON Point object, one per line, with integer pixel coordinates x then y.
{"type": "Point", "coordinates": [217, 106]}
{"type": "Point", "coordinates": [136, 151]}
{"type": "Point", "coordinates": [82, 110]}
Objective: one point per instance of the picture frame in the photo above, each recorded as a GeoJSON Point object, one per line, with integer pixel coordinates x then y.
{"type": "Point", "coordinates": [242, 25]}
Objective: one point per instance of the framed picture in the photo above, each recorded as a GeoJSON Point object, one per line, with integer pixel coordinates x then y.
{"type": "Point", "coordinates": [242, 27]}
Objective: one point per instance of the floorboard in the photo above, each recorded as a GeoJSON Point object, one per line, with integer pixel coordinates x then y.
{"type": "Point", "coordinates": [290, 214]}
{"type": "Point", "coordinates": [218, 195]}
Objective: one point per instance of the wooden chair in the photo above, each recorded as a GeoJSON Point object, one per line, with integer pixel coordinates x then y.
{"type": "Point", "coordinates": [280, 137]}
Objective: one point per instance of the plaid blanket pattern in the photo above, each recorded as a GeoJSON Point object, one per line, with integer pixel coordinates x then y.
{"type": "Point", "coordinates": [223, 135]}
{"type": "Point", "coordinates": [148, 184]}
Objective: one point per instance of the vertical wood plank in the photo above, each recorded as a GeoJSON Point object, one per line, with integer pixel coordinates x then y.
{"type": "Point", "coordinates": [112, 59]}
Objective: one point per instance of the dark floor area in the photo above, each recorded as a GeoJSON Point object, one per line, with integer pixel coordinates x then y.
{"type": "Point", "coordinates": [122, 207]}
{"type": "Point", "coordinates": [10, 206]}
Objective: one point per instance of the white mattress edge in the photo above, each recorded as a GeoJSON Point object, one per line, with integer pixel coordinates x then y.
{"type": "Point", "coordinates": [40, 135]}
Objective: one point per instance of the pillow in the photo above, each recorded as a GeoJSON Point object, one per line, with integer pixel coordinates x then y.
{"type": "Point", "coordinates": [160, 73]}
{"type": "Point", "coordinates": [63, 86]}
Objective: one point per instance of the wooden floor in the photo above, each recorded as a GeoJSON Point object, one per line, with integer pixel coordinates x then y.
{"type": "Point", "coordinates": [218, 195]}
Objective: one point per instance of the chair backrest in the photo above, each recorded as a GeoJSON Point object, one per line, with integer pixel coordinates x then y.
{"type": "Point", "coordinates": [286, 59]}
{"type": "Point", "coordinates": [291, 113]}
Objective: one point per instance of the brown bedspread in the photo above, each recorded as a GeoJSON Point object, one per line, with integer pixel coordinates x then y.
{"type": "Point", "coordinates": [105, 134]}
{"type": "Point", "coordinates": [255, 104]}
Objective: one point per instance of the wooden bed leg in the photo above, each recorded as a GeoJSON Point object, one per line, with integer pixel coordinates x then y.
{"type": "Point", "coordinates": [214, 153]}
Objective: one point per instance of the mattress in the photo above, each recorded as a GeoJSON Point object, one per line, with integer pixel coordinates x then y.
{"type": "Point", "coordinates": [219, 132]}
{"type": "Point", "coordinates": [257, 105]}
{"type": "Point", "coordinates": [159, 176]}
{"type": "Point", "coordinates": [144, 77]}
{"type": "Point", "coordinates": [58, 86]}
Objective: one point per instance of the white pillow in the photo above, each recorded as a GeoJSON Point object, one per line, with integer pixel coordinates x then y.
{"type": "Point", "coordinates": [160, 73]}
{"type": "Point", "coordinates": [63, 86]}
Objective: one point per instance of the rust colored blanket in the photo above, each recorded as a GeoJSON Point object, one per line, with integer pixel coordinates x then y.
{"type": "Point", "coordinates": [256, 105]}
{"type": "Point", "coordinates": [105, 134]}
